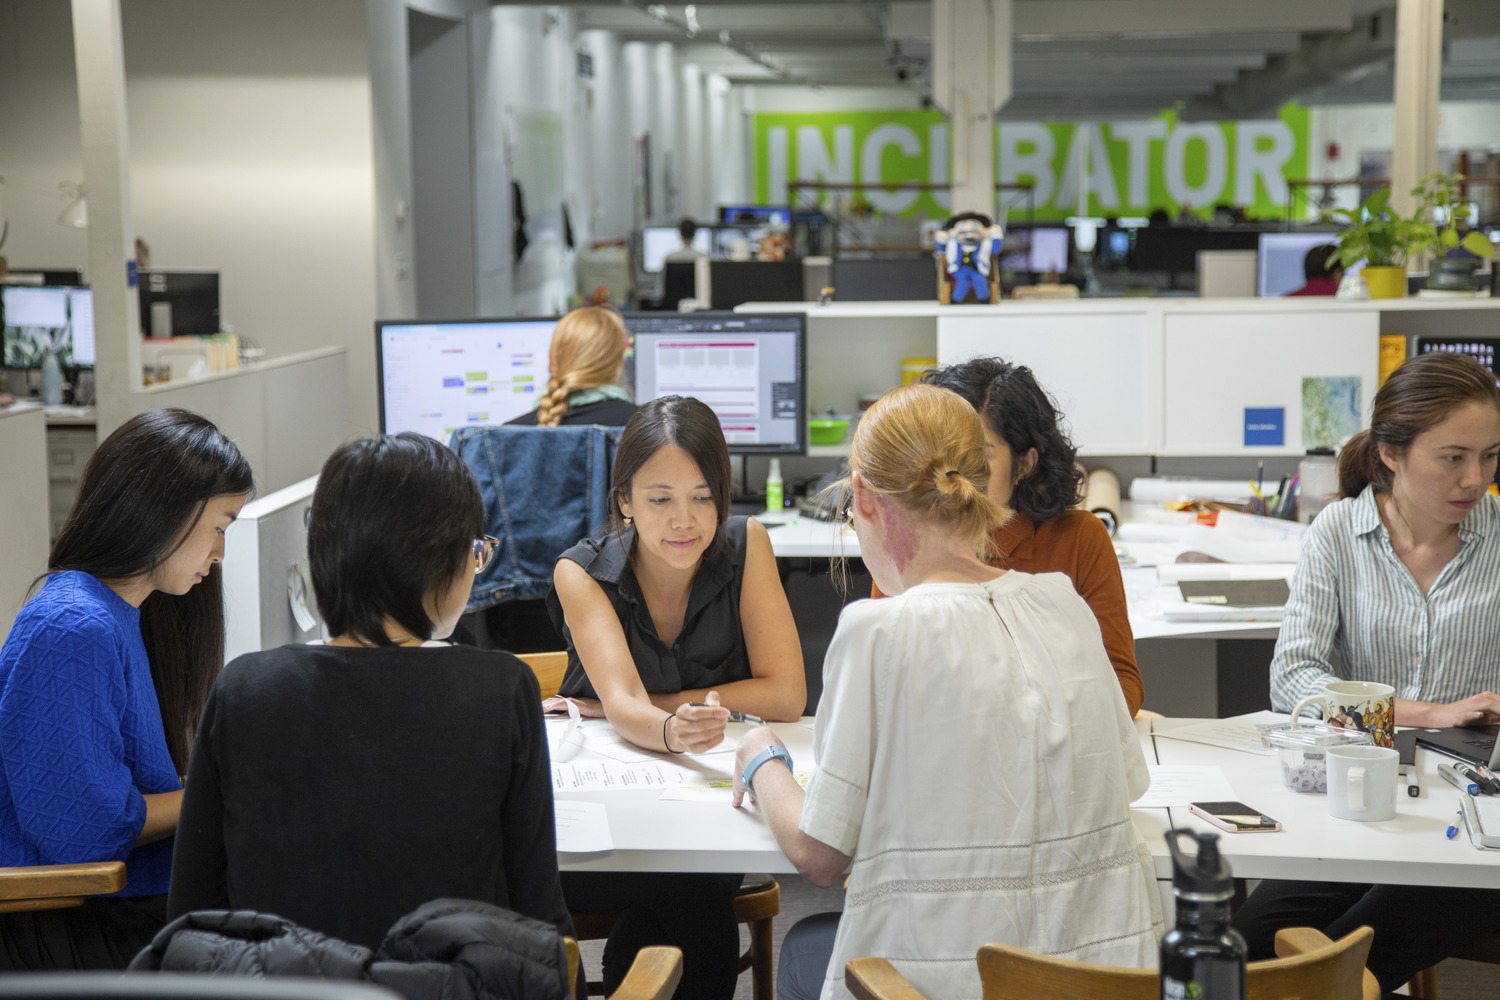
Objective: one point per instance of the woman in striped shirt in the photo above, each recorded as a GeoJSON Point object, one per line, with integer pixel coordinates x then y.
{"type": "Point", "coordinates": [1399, 578]}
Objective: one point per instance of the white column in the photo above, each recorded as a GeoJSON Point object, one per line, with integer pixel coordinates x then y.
{"type": "Point", "coordinates": [99, 52]}
{"type": "Point", "coordinates": [1419, 65]}
{"type": "Point", "coordinates": [971, 80]}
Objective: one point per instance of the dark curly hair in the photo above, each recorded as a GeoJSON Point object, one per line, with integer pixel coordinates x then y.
{"type": "Point", "coordinates": [1008, 397]}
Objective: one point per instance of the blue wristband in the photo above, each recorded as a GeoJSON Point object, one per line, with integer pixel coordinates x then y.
{"type": "Point", "coordinates": [769, 753]}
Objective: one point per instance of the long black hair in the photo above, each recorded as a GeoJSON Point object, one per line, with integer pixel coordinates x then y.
{"type": "Point", "coordinates": [1018, 409]}
{"type": "Point", "coordinates": [142, 492]}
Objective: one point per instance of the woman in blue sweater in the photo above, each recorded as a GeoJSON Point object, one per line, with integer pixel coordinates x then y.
{"type": "Point", "coordinates": [103, 677]}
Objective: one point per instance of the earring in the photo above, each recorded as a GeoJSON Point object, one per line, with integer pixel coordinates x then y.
{"type": "Point", "coordinates": [628, 520]}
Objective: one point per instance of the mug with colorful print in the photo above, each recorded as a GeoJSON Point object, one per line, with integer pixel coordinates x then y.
{"type": "Point", "coordinates": [1367, 706]}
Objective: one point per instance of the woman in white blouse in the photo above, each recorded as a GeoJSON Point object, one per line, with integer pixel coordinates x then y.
{"type": "Point", "coordinates": [975, 759]}
{"type": "Point", "coordinates": [1401, 578]}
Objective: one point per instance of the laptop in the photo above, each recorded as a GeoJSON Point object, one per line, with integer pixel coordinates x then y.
{"type": "Point", "coordinates": [1475, 744]}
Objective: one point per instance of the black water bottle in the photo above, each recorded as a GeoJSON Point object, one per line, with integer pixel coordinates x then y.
{"type": "Point", "coordinates": [1202, 958]}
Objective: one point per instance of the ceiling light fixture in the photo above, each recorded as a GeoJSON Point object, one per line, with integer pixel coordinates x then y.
{"type": "Point", "coordinates": [690, 14]}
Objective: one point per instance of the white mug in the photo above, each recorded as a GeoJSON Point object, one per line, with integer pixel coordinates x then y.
{"type": "Point", "coordinates": [1368, 706]}
{"type": "Point", "coordinates": [1362, 783]}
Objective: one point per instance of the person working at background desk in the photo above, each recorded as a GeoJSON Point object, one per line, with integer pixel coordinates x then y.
{"type": "Point", "coordinates": [679, 604]}
{"type": "Point", "coordinates": [585, 373]}
{"type": "Point", "coordinates": [1400, 578]}
{"type": "Point", "coordinates": [975, 760]}
{"type": "Point", "coordinates": [103, 677]}
{"type": "Point", "coordinates": [1322, 271]}
{"type": "Point", "coordinates": [1032, 473]}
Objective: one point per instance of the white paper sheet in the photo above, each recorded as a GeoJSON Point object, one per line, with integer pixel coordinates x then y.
{"type": "Point", "coordinates": [601, 738]}
{"type": "Point", "coordinates": [1231, 734]}
{"type": "Point", "coordinates": [612, 776]}
{"type": "Point", "coordinates": [582, 827]}
{"type": "Point", "coordinates": [1176, 785]}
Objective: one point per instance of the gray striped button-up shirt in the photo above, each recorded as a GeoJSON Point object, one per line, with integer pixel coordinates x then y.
{"type": "Point", "coordinates": [1353, 594]}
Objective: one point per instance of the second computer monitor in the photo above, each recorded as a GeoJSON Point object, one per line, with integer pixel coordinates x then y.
{"type": "Point", "coordinates": [38, 316]}
{"type": "Point", "coordinates": [179, 303]}
{"type": "Point", "coordinates": [659, 241]}
{"type": "Point", "coordinates": [1279, 261]}
{"type": "Point", "coordinates": [439, 375]}
{"type": "Point", "coordinates": [749, 368]}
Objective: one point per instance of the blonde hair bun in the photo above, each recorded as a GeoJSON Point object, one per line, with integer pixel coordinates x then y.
{"type": "Point", "coordinates": [923, 447]}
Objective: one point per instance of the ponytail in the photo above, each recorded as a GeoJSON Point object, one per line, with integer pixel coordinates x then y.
{"type": "Point", "coordinates": [1420, 394]}
{"type": "Point", "coordinates": [1359, 465]}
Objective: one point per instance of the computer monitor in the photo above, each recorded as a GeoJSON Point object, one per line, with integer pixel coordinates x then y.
{"type": "Point", "coordinates": [735, 282]}
{"type": "Point", "coordinates": [1049, 251]}
{"type": "Point", "coordinates": [439, 375]}
{"type": "Point", "coordinates": [1278, 263]}
{"type": "Point", "coordinates": [658, 241]}
{"type": "Point", "coordinates": [179, 303]}
{"type": "Point", "coordinates": [750, 368]}
{"type": "Point", "coordinates": [35, 316]}
{"type": "Point", "coordinates": [884, 279]}
{"type": "Point", "coordinates": [1485, 350]}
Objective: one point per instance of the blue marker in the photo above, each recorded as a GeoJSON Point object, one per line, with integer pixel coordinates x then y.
{"type": "Point", "coordinates": [1453, 830]}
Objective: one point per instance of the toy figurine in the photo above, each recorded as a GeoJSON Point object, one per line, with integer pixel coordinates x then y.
{"type": "Point", "coordinates": [967, 243]}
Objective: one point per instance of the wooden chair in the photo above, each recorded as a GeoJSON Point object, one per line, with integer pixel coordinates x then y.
{"type": "Point", "coordinates": [548, 667]}
{"type": "Point", "coordinates": [56, 887]}
{"type": "Point", "coordinates": [1310, 966]}
{"type": "Point", "coordinates": [758, 903]}
{"type": "Point", "coordinates": [1486, 949]}
{"type": "Point", "coordinates": [653, 975]}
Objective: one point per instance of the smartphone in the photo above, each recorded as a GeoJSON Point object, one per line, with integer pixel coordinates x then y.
{"type": "Point", "coordinates": [1234, 817]}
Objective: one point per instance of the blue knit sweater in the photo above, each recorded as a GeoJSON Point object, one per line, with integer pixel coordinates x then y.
{"type": "Point", "coordinates": [81, 735]}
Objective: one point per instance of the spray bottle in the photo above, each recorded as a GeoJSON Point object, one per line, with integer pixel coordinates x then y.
{"type": "Point", "coordinates": [1202, 958]}
{"type": "Point", "coordinates": [774, 486]}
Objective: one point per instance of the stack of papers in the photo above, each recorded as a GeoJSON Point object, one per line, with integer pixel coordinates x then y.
{"type": "Point", "coordinates": [1178, 785]}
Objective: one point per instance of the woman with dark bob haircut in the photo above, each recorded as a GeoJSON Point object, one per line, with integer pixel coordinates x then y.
{"type": "Point", "coordinates": [680, 604]}
{"type": "Point", "coordinates": [103, 677]}
{"type": "Point", "coordinates": [1032, 473]}
{"type": "Point", "coordinates": [343, 785]}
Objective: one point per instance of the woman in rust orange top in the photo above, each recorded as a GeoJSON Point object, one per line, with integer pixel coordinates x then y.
{"type": "Point", "coordinates": [1032, 473]}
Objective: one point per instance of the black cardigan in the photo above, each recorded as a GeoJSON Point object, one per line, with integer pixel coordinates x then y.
{"type": "Point", "coordinates": [342, 788]}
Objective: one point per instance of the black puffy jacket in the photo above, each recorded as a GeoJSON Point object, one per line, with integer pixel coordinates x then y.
{"type": "Point", "coordinates": [448, 949]}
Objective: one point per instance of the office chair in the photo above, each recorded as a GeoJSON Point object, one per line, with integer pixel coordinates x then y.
{"type": "Point", "coordinates": [678, 283]}
{"type": "Point", "coordinates": [1310, 966]}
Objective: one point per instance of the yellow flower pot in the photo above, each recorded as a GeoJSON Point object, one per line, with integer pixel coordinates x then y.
{"type": "Point", "coordinates": [1385, 282]}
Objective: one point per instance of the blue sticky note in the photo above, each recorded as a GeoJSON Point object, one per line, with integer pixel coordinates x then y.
{"type": "Point", "coordinates": [1265, 426]}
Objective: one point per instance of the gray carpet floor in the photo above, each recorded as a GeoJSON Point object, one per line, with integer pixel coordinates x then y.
{"type": "Point", "coordinates": [799, 898]}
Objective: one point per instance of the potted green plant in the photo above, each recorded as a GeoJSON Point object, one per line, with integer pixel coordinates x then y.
{"type": "Point", "coordinates": [1459, 249]}
{"type": "Point", "coordinates": [1381, 237]}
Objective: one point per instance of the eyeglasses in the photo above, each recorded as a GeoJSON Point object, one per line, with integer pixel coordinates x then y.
{"type": "Point", "coordinates": [484, 552]}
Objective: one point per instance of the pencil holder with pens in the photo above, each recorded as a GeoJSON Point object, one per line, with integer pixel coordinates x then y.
{"type": "Point", "coordinates": [1302, 751]}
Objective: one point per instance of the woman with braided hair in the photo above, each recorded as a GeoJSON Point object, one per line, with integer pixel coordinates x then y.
{"type": "Point", "coordinates": [585, 368]}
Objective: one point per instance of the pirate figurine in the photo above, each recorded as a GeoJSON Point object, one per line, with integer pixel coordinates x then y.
{"type": "Point", "coordinates": [967, 242]}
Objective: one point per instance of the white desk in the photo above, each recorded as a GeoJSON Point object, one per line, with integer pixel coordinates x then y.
{"type": "Point", "coordinates": [650, 834]}
{"type": "Point", "coordinates": [804, 537]}
{"type": "Point", "coordinates": [1408, 850]}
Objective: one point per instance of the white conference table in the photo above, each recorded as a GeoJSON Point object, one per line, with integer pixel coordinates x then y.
{"type": "Point", "coordinates": [652, 834]}
{"type": "Point", "coordinates": [805, 537]}
{"type": "Point", "coordinates": [1408, 850]}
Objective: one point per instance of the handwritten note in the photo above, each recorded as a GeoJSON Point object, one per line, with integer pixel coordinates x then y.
{"type": "Point", "coordinates": [582, 827]}
{"type": "Point", "coordinates": [1176, 785]}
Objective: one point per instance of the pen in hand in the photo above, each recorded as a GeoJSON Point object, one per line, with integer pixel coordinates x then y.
{"type": "Point", "coordinates": [754, 720]}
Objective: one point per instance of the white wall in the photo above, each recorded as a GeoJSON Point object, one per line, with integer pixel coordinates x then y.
{"type": "Point", "coordinates": [250, 152]}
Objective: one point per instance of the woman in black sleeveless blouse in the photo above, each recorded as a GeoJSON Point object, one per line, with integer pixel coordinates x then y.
{"type": "Point", "coordinates": [680, 603]}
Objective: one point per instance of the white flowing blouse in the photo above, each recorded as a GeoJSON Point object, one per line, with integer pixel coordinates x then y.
{"type": "Point", "coordinates": [975, 757]}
